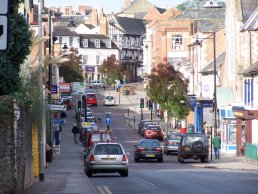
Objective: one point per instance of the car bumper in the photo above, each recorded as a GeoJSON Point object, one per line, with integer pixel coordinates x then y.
{"type": "Point", "coordinates": [108, 168]}
{"type": "Point", "coordinates": [171, 148]}
{"type": "Point", "coordinates": [153, 136]}
{"type": "Point", "coordinates": [148, 155]}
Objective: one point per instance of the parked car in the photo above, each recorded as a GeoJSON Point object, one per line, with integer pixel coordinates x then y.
{"type": "Point", "coordinates": [193, 146]}
{"type": "Point", "coordinates": [146, 125]}
{"type": "Point", "coordinates": [109, 100]}
{"type": "Point", "coordinates": [148, 149]}
{"type": "Point", "coordinates": [106, 158]}
{"type": "Point", "coordinates": [171, 143]}
{"type": "Point", "coordinates": [91, 99]}
{"type": "Point", "coordinates": [153, 132]}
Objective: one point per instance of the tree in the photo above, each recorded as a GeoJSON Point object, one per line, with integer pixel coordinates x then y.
{"type": "Point", "coordinates": [18, 49]}
{"type": "Point", "coordinates": [195, 4]}
{"type": "Point", "coordinates": [71, 70]}
{"type": "Point", "coordinates": [168, 87]}
{"type": "Point", "coordinates": [112, 69]}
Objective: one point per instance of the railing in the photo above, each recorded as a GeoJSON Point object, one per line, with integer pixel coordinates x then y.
{"type": "Point", "coordinates": [251, 152]}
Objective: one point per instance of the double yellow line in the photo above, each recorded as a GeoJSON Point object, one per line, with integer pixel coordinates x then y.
{"type": "Point", "coordinates": [103, 190]}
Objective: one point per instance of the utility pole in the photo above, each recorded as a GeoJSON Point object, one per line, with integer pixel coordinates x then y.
{"type": "Point", "coordinates": [42, 125]}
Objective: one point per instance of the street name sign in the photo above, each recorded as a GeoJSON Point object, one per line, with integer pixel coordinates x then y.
{"type": "Point", "coordinates": [56, 107]}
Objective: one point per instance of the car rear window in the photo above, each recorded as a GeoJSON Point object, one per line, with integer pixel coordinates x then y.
{"type": "Point", "coordinates": [91, 96]}
{"type": "Point", "coordinates": [149, 143]}
{"type": "Point", "coordinates": [110, 98]}
{"type": "Point", "coordinates": [189, 139]}
{"type": "Point", "coordinates": [112, 149]}
{"type": "Point", "coordinates": [153, 128]}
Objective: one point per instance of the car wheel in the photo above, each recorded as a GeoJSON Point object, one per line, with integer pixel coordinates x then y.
{"type": "Point", "coordinates": [136, 159]}
{"type": "Point", "coordinates": [160, 160]}
{"type": "Point", "coordinates": [88, 172]}
{"type": "Point", "coordinates": [204, 159]}
{"type": "Point", "coordinates": [197, 146]}
{"type": "Point", "coordinates": [124, 173]}
{"type": "Point", "coordinates": [165, 152]}
{"type": "Point", "coordinates": [180, 159]}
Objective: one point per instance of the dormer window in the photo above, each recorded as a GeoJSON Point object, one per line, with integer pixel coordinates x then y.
{"type": "Point", "coordinates": [97, 43]}
{"type": "Point", "coordinates": [85, 43]}
{"type": "Point", "coordinates": [108, 43]}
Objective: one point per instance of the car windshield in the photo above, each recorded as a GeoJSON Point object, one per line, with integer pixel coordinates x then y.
{"type": "Point", "coordinates": [173, 136]}
{"type": "Point", "coordinates": [103, 149]}
{"type": "Point", "coordinates": [106, 136]}
{"type": "Point", "coordinates": [147, 143]}
{"type": "Point", "coordinates": [91, 96]}
{"type": "Point", "coordinates": [96, 137]}
{"type": "Point", "coordinates": [110, 97]}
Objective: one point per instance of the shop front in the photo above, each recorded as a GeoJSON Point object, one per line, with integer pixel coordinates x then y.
{"type": "Point", "coordinates": [245, 119]}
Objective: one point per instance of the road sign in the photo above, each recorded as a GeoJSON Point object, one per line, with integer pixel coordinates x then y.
{"type": "Point", "coordinates": [85, 124]}
{"type": "Point", "coordinates": [78, 88]}
{"type": "Point", "coordinates": [4, 7]}
{"type": "Point", "coordinates": [58, 121]}
{"type": "Point", "coordinates": [56, 107]}
{"type": "Point", "coordinates": [3, 32]}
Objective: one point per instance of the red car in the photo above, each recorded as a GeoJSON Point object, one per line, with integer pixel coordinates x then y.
{"type": "Point", "coordinates": [91, 99]}
{"type": "Point", "coordinates": [154, 132]}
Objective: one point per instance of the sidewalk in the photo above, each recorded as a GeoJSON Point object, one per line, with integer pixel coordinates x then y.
{"type": "Point", "coordinates": [65, 174]}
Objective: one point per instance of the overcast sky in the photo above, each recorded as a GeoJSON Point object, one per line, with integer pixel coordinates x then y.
{"type": "Point", "coordinates": [108, 5]}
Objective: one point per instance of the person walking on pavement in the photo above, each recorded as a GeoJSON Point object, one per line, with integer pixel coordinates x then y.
{"type": "Point", "coordinates": [216, 142]}
{"type": "Point", "coordinates": [75, 131]}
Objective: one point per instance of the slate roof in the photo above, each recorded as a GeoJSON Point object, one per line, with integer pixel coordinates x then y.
{"type": "Point", "coordinates": [210, 67]}
{"type": "Point", "coordinates": [252, 22]}
{"type": "Point", "coordinates": [209, 19]}
{"type": "Point", "coordinates": [65, 20]}
{"type": "Point", "coordinates": [251, 70]}
{"type": "Point", "coordinates": [248, 7]}
{"type": "Point", "coordinates": [63, 31]}
{"type": "Point", "coordinates": [138, 6]}
{"type": "Point", "coordinates": [90, 26]}
{"type": "Point", "coordinates": [161, 10]}
{"type": "Point", "coordinates": [131, 26]}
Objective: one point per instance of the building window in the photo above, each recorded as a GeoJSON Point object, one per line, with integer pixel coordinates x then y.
{"type": "Point", "coordinates": [71, 41]}
{"type": "Point", "coordinates": [84, 59]}
{"type": "Point", "coordinates": [60, 39]}
{"type": "Point", "coordinates": [248, 92]}
{"type": "Point", "coordinates": [85, 43]}
{"type": "Point", "coordinates": [108, 43]}
{"type": "Point", "coordinates": [97, 60]}
{"type": "Point", "coordinates": [177, 43]}
{"type": "Point", "coordinates": [97, 43]}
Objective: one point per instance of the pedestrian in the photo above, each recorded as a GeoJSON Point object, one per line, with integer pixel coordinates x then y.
{"type": "Point", "coordinates": [63, 115]}
{"type": "Point", "coordinates": [108, 122]}
{"type": "Point", "coordinates": [216, 142]}
{"type": "Point", "coordinates": [75, 131]}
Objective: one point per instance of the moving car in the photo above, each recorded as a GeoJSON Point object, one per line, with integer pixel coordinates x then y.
{"type": "Point", "coordinates": [109, 100]}
{"type": "Point", "coordinates": [141, 124]}
{"type": "Point", "coordinates": [193, 146]}
{"type": "Point", "coordinates": [153, 132]}
{"type": "Point", "coordinates": [148, 149]}
{"type": "Point", "coordinates": [91, 99]}
{"type": "Point", "coordinates": [171, 143]}
{"type": "Point", "coordinates": [145, 125]}
{"type": "Point", "coordinates": [106, 158]}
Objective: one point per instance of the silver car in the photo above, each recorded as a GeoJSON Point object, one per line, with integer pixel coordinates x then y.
{"type": "Point", "coordinates": [109, 100]}
{"type": "Point", "coordinates": [106, 158]}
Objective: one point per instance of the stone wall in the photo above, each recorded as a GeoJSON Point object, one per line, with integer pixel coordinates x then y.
{"type": "Point", "coordinates": [23, 165]}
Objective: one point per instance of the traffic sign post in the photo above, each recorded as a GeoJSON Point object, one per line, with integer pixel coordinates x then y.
{"type": "Point", "coordinates": [58, 121]}
{"type": "Point", "coordinates": [4, 25]}
{"type": "Point", "coordinates": [57, 107]}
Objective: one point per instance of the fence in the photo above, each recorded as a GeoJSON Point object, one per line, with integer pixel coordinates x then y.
{"type": "Point", "coordinates": [252, 152]}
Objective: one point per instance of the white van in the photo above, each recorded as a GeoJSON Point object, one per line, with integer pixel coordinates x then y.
{"type": "Point", "coordinates": [96, 84]}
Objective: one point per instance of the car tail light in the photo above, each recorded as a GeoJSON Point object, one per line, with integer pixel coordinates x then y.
{"type": "Point", "coordinates": [124, 158]}
{"type": "Point", "coordinates": [140, 149]}
{"type": "Point", "coordinates": [92, 158]}
{"type": "Point", "coordinates": [158, 149]}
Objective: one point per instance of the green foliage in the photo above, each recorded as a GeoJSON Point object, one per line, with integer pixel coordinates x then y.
{"type": "Point", "coordinates": [18, 49]}
{"type": "Point", "coordinates": [195, 4]}
{"type": "Point", "coordinates": [168, 87]}
{"type": "Point", "coordinates": [112, 69]}
{"type": "Point", "coordinates": [72, 70]}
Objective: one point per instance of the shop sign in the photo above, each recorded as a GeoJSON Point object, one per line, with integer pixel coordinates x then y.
{"type": "Point", "coordinates": [238, 114]}
{"type": "Point", "coordinates": [64, 87]}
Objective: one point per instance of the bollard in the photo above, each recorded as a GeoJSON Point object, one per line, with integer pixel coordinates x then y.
{"type": "Point", "coordinates": [134, 120]}
{"type": "Point", "coordinates": [128, 111]}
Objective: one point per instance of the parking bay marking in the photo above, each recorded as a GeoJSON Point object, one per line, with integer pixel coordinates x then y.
{"type": "Point", "coordinates": [104, 190]}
